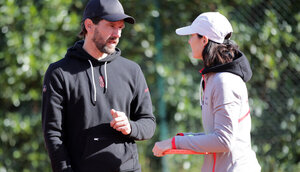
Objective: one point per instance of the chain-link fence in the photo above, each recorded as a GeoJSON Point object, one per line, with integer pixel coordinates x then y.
{"type": "Point", "coordinates": [274, 90]}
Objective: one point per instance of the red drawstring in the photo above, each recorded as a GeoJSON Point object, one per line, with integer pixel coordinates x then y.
{"type": "Point", "coordinates": [203, 78]}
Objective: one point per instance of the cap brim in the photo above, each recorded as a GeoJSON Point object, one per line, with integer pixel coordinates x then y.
{"type": "Point", "coordinates": [188, 30]}
{"type": "Point", "coordinates": [118, 17]}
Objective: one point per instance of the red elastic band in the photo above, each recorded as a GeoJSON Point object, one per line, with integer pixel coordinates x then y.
{"type": "Point", "coordinates": [173, 143]}
{"type": "Point", "coordinates": [215, 158]}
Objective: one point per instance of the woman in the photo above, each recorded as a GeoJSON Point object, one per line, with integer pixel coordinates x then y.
{"type": "Point", "coordinates": [224, 101]}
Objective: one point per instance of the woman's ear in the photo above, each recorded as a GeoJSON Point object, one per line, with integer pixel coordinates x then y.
{"type": "Point", "coordinates": [205, 40]}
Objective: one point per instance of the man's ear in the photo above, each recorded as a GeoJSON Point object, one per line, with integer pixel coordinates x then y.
{"type": "Point", "coordinates": [205, 40]}
{"type": "Point", "coordinates": [89, 25]}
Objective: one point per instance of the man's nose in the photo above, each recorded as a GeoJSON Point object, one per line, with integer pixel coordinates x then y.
{"type": "Point", "coordinates": [117, 32]}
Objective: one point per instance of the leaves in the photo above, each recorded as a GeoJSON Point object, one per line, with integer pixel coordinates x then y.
{"type": "Point", "coordinates": [34, 34]}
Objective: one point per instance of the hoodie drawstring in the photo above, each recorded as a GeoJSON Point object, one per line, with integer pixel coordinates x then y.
{"type": "Point", "coordinates": [200, 91]}
{"type": "Point", "coordinates": [202, 87]}
{"type": "Point", "coordinates": [105, 74]}
{"type": "Point", "coordinates": [93, 79]}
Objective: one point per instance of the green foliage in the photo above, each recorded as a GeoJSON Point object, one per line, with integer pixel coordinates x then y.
{"type": "Point", "coordinates": [34, 34]}
{"type": "Point", "coordinates": [21, 143]}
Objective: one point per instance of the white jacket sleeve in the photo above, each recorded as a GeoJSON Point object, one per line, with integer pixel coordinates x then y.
{"type": "Point", "coordinates": [225, 111]}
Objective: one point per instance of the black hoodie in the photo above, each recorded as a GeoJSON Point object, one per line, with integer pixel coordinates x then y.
{"type": "Point", "coordinates": [239, 66]}
{"type": "Point", "coordinates": [78, 93]}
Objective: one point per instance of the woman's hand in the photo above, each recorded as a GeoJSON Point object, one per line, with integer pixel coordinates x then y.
{"type": "Point", "coordinates": [160, 147]}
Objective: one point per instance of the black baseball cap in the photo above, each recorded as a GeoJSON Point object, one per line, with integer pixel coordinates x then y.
{"type": "Point", "coordinates": [110, 10]}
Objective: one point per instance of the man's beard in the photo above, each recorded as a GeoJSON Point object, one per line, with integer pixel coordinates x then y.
{"type": "Point", "coordinates": [101, 44]}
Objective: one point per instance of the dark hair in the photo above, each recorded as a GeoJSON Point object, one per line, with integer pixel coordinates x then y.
{"type": "Point", "coordinates": [216, 53]}
{"type": "Point", "coordinates": [83, 31]}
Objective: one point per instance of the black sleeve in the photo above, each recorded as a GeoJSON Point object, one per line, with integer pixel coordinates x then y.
{"type": "Point", "coordinates": [142, 119]}
{"type": "Point", "coordinates": [53, 118]}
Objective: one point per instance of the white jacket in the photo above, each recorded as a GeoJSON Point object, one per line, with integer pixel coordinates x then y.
{"type": "Point", "coordinates": [227, 125]}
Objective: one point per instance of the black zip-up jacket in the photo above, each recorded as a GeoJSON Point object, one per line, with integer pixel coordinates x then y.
{"type": "Point", "coordinates": [78, 94]}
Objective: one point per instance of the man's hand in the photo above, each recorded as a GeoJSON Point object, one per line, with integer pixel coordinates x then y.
{"type": "Point", "coordinates": [120, 122]}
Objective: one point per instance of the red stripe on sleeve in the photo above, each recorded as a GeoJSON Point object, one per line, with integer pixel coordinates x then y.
{"type": "Point", "coordinates": [241, 119]}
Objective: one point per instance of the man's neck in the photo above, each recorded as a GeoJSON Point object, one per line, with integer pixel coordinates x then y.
{"type": "Point", "coordinates": [102, 57]}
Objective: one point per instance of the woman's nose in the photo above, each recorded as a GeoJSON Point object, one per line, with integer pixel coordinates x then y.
{"type": "Point", "coordinates": [190, 40]}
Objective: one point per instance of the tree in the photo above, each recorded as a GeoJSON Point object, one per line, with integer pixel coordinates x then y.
{"type": "Point", "coordinates": [34, 34]}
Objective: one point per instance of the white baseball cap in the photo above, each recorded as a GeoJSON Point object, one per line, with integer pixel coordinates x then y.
{"type": "Point", "coordinates": [211, 24]}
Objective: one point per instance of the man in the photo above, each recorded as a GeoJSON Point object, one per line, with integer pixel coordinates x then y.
{"type": "Point", "coordinates": [95, 102]}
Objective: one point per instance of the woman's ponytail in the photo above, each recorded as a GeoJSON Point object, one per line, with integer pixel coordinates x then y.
{"type": "Point", "coordinates": [216, 54]}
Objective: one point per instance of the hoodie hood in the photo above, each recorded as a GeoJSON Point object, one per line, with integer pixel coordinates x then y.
{"type": "Point", "coordinates": [77, 52]}
{"type": "Point", "coordinates": [239, 66]}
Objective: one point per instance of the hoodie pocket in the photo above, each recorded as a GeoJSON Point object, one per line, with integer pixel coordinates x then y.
{"type": "Point", "coordinates": [108, 154]}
